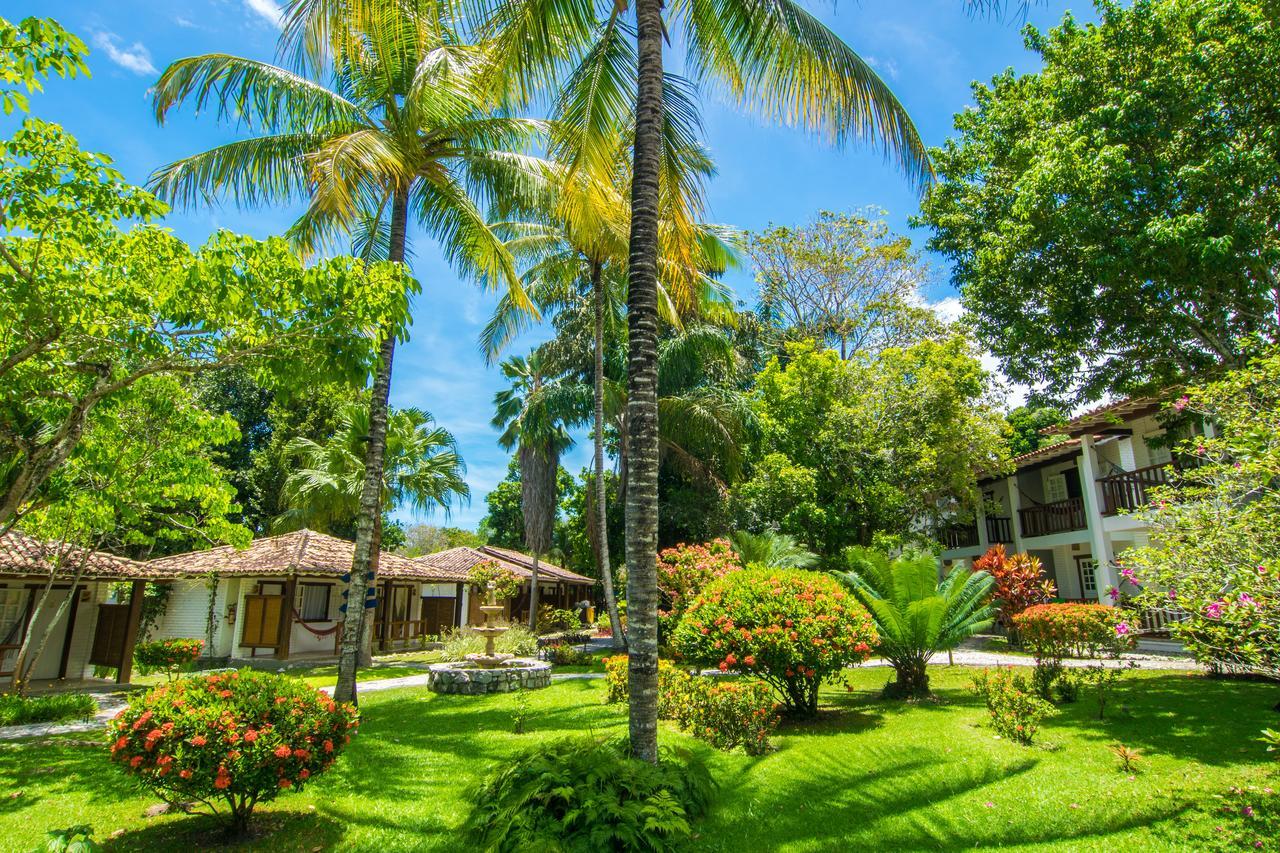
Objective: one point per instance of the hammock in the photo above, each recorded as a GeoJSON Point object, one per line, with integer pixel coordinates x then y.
{"type": "Point", "coordinates": [327, 632]}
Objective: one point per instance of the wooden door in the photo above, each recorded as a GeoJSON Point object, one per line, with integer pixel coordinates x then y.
{"type": "Point", "coordinates": [109, 635]}
{"type": "Point", "coordinates": [262, 615]}
{"type": "Point", "coordinates": [437, 613]}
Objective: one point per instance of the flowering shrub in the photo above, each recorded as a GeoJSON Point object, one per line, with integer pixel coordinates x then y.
{"type": "Point", "coordinates": [563, 653]}
{"type": "Point", "coordinates": [506, 583]}
{"type": "Point", "coordinates": [167, 656]}
{"type": "Point", "coordinates": [242, 737]}
{"type": "Point", "coordinates": [684, 571]}
{"type": "Point", "coordinates": [615, 678]}
{"type": "Point", "coordinates": [792, 628]}
{"type": "Point", "coordinates": [1020, 583]}
{"type": "Point", "coordinates": [1015, 711]}
{"type": "Point", "coordinates": [1056, 631]}
{"type": "Point", "coordinates": [724, 713]}
{"type": "Point", "coordinates": [552, 619]}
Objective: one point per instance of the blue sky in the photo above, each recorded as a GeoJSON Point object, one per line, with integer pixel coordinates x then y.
{"type": "Point", "coordinates": [929, 51]}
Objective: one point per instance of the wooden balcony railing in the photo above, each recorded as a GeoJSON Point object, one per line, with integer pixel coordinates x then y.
{"type": "Point", "coordinates": [1057, 517]}
{"type": "Point", "coordinates": [399, 631]}
{"type": "Point", "coordinates": [1157, 621]}
{"type": "Point", "coordinates": [999, 529]}
{"type": "Point", "coordinates": [959, 536]}
{"type": "Point", "coordinates": [1128, 490]}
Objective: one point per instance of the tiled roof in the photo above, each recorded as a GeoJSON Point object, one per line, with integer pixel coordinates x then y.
{"type": "Point", "coordinates": [461, 560]}
{"type": "Point", "coordinates": [1111, 414]}
{"type": "Point", "coordinates": [303, 552]}
{"type": "Point", "coordinates": [24, 555]}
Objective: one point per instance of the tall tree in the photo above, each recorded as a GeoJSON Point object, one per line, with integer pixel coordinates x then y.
{"type": "Point", "coordinates": [770, 54]}
{"type": "Point", "coordinates": [1113, 220]}
{"type": "Point", "coordinates": [533, 414]}
{"type": "Point", "coordinates": [421, 469]}
{"type": "Point", "coordinates": [845, 279]}
{"type": "Point", "coordinates": [405, 129]}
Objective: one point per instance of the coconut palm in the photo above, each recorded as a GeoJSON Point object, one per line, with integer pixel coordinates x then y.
{"type": "Point", "coordinates": [385, 117]}
{"type": "Point", "coordinates": [915, 614]}
{"type": "Point", "coordinates": [421, 469]}
{"type": "Point", "coordinates": [772, 550]}
{"type": "Point", "coordinates": [533, 415]}
{"type": "Point", "coordinates": [770, 54]}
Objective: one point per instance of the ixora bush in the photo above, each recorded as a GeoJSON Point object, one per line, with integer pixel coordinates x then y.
{"type": "Point", "coordinates": [1053, 632]}
{"type": "Point", "coordinates": [237, 738]}
{"type": "Point", "coordinates": [915, 614]}
{"type": "Point", "coordinates": [685, 571]}
{"type": "Point", "coordinates": [725, 714]}
{"type": "Point", "coordinates": [584, 794]}
{"type": "Point", "coordinates": [792, 628]}
{"type": "Point", "coordinates": [167, 656]}
{"type": "Point", "coordinates": [1016, 712]}
{"type": "Point", "coordinates": [1020, 583]}
{"type": "Point", "coordinates": [16, 710]}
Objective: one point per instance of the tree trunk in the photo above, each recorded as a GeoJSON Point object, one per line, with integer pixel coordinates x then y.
{"type": "Point", "coordinates": [28, 656]}
{"type": "Point", "coordinates": [364, 561]}
{"type": "Point", "coordinates": [533, 595]}
{"type": "Point", "coordinates": [602, 519]}
{"type": "Point", "coordinates": [642, 388]}
{"type": "Point", "coordinates": [911, 680]}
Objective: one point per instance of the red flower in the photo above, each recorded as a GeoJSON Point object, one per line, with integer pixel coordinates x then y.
{"type": "Point", "coordinates": [222, 781]}
{"type": "Point", "coordinates": [198, 740]}
{"type": "Point", "coordinates": [283, 751]}
{"type": "Point", "coordinates": [749, 660]}
{"type": "Point", "coordinates": [185, 774]}
{"type": "Point", "coordinates": [328, 746]}
{"type": "Point", "coordinates": [304, 773]}
{"type": "Point", "coordinates": [285, 783]}
{"type": "Point", "coordinates": [135, 761]}
{"type": "Point", "coordinates": [250, 736]}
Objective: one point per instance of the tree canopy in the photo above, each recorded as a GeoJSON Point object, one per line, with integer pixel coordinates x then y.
{"type": "Point", "coordinates": [1113, 220]}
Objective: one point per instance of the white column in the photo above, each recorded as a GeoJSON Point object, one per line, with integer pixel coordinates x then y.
{"type": "Point", "coordinates": [981, 521]}
{"type": "Point", "coordinates": [1128, 459]}
{"type": "Point", "coordinates": [1015, 503]}
{"type": "Point", "coordinates": [1105, 572]}
{"type": "Point", "coordinates": [465, 618]}
{"type": "Point", "coordinates": [237, 631]}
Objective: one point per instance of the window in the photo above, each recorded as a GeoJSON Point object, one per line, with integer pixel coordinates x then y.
{"type": "Point", "coordinates": [1158, 448]}
{"type": "Point", "coordinates": [315, 602]}
{"type": "Point", "coordinates": [271, 588]}
{"type": "Point", "coordinates": [1055, 488]}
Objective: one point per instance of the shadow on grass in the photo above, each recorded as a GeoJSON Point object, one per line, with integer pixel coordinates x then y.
{"type": "Point", "coordinates": [43, 770]}
{"type": "Point", "coordinates": [305, 831]}
{"type": "Point", "coordinates": [1187, 716]}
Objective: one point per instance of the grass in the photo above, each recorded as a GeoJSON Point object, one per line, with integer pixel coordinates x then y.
{"type": "Point", "coordinates": [19, 710]}
{"type": "Point", "coordinates": [868, 774]}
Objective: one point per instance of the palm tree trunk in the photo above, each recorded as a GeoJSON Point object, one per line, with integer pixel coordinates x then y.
{"type": "Point", "coordinates": [642, 390]}
{"type": "Point", "coordinates": [364, 562]}
{"type": "Point", "coordinates": [533, 594]}
{"type": "Point", "coordinates": [602, 521]}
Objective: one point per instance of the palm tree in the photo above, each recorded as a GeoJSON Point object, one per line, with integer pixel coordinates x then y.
{"type": "Point", "coordinates": [405, 128]}
{"type": "Point", "coordinates": [772, 551]}
{"type": "Point", "coordinates": [533, 414]}
{"type": "Point", "coordinates": [915, 614]}
{"type": "Point", "coordinates": [771, 54]}
{"type": "Point", "coordinates": [421, 468]}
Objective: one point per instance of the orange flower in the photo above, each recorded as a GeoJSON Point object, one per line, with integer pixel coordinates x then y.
{"type": "Point", "coordinates": [221, 782]}
{"type": "Point", "coordinates": [282, 751]}
{"type": "Point", "coordinates": [198, 740]}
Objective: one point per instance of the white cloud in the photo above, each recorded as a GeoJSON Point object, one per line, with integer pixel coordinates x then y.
{"type": "Point", "coordinates": [887, 67]}
{"type": "Point", "coordinates": [267, 10]}
{"type": "Point", "coordinates": [185, 23]}
{"type": "Point", "coordinates": [135, 58]}
{"type": "Point", "coordinates": [948, 309]}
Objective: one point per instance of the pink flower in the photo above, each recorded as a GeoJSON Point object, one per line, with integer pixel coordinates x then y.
{"type": "Point", "coordinates": [1122, 629]}
{"type": "Point", "coordinates": [1173, 595]}
{"type": "Point", "coordinates": [1247, 600]}
{"type": "Point", "coordinates": [1214, 610]}
{"type": "Point", "coordinates": [1247, 811]}
{"type": "Point", "coordinates": [989, 804]}
{"type": "Point", "coordinates": [1181, 403]}
{"type": "Point", "coordinates": [1127, 574]}
{"type": "Point", "coordinates": [1113, 593]}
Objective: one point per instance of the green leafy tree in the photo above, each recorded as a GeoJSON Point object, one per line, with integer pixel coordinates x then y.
{"type": "Point", "coordinates": [423, 539]}
{"type": "Point", "coordinates": [915, 614]}
{"type": "Point", "coordinates": [1214, 557]}
{"type": "Point", "coordinates": [844, 279]}
{"type": "Point", "coordinates": [533, 415]}
{"type": "Point", "coordinates": [1113, 220]}
{"type": "Point", "coordinates": [1026, 423]}
{"type": "Point", "coordinates": [140, 474]}
{"type": "Point", "coordinates": [31, 49]}
{"type": "Point", "coordinates": [91, 306]}
{"type": "Point", "coordinates": [405, 129]}
{"type": "Point", "coordinates": [852, 449]}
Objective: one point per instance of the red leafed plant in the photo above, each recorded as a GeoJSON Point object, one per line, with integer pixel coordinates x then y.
{"type": "Point", "coordinates": [1020, 583]}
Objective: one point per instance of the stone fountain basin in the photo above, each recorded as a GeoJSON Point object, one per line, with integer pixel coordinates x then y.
{"type": "Point", "coordinates": [467, 679]}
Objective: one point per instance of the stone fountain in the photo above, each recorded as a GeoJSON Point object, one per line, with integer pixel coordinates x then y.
{"type": "Point", "coordinates": [490, 671]}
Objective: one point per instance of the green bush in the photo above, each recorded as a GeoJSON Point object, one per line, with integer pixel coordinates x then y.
{"type": "Point", "coordinates": [1016, 712]}
{"type": "Point", "coordinates": [553, 619]}
{"type": "Point", "coordinates": [18, 710]}
{"type": "Point", "coordinates": [791, 628]}
{"type": "Point", "coordinates": [588, 795]}
{"type": "Point", "coordinates": [240, 738]}
{"type": "Point", "coordinates": [167, 656]}
{"type": "Point", "coordinates": [506, 584]}
{"type": "Point", "coordinates": [73, 839]}
{"type": "Point", "coordinates": [464, 641]}
{"type": "Point", "coordinates": [565, 654]}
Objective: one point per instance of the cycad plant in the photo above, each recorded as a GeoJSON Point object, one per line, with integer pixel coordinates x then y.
{"type": "Point", "coordinates": [917, 615]}
{"type": "Point", "coordinates": [386, 116]}
{"type": "Point", "coordinates": [772, 550]}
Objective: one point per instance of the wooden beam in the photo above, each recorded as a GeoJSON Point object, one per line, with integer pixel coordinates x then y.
{"type": "Point", "coordinates": [457, 608]}
{"type": "Point", "coordinates": [136, 592]}
{"type": "Point", "coordinates": [286, 618]}
{"type": "Point", "coordinates": [72, 609]}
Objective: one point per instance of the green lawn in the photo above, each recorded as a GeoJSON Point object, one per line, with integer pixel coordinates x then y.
{"type": "Point", "coordinates": [322, 675]}
{"type": "Point", "coordinates": [869, 774]}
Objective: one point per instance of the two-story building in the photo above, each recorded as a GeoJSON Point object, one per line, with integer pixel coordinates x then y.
{"type": "Point", "coordinates": [1071, 503]}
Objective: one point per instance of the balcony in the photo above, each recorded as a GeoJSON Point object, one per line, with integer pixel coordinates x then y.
{"type": "Point", "coordinates": [1057, 517]}
{"type": "Point", "coordinates": [999, 529]}
{"type": "Point", "coordinates": [1128, 490]}
{"type": "Point", "coordinates": [959, 536]}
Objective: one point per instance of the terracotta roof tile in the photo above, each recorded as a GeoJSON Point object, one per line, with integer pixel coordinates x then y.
{"type": "Point", "coordinates": [303, 552]}
{"type": "Point", "coordinates": [461, 560]}
{"type": "Point", "coordinates": [21, 554]}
